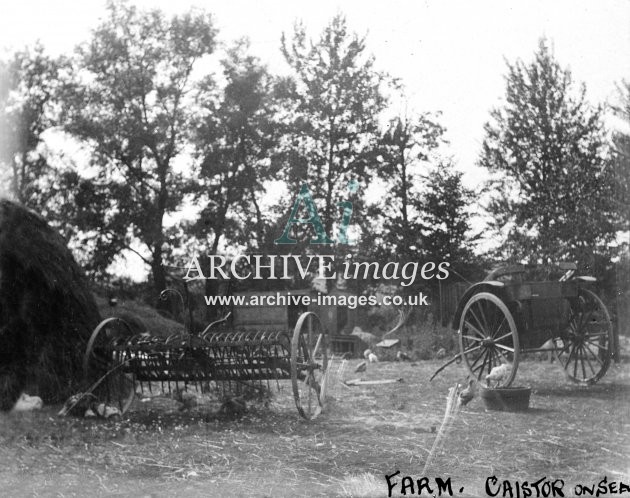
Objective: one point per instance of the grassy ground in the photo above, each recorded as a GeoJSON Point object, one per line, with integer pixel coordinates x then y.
{"type": "Point", "coordinates": [573, 433]}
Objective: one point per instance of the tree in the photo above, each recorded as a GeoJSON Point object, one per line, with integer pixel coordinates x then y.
{"type": "Point", "coordinates": [446, 234]}
{"type": "Point", "coordinates": [131, 101]}
{"type": "Point", "coordinates": [406, 147]}
{"type": "Point", "coordinates": [621, 155]}
{"type": "Point", "coordinates": [551, 196]}
{"type": "Point", "coordinates": [334, 99]}
{"type": "Point", "coordinates": [28, 83]}
{"type": "Point", "coordinates": [234, 139]}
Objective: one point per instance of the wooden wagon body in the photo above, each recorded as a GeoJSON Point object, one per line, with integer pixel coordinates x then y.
{"type": "Point", "coordinates": [508, 314]}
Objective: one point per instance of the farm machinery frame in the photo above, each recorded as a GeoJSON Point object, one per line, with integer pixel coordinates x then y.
{"type": "Point", "coordinates": [229, 358]}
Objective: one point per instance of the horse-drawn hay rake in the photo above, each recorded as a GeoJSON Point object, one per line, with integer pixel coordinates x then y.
{"type": "Point", "coordinates": [232, 359]}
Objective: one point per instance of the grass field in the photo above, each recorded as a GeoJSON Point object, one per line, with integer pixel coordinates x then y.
{"type": "Point", "coordinates": [578, 434]}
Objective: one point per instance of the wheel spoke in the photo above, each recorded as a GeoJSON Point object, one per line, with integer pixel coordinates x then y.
{"type": "Point", "coordinates": [503, 354]}
{"type": "Point", "coordinates": [477, 339]}
{"type": "Point", "coordinates": [477, 359]}
{"type": "Point", "coordinates": [496, 331]}
{"type": "Point", "coordinates": [472, 348]}
{"type": "Point", "coordinates": [480, 325]}
{"type": "Point", "coordinates": [575, 361]}
{"type": "Point", "coordinates": [601, 348]}
{"type": "Point", "coordinates": [316, 348]}
{"type": "Point", "coordinates": [565, 348]}
{"type": "Point", "coordinates": [483, 316]}
{"type": "Point", "coordinates": [597, 334]}
{"type": "Point", "coordinates": [585, 349]}
{"type": "Point", "coordinates": [582, 363]}
{"type": "Point", "coordinates": [474, 329]}
{"type": "Point", "coordinates": [505, 348]}
{"type": "Point", "coordinates": [483, 365]}
{"type": "Point", "coordinates": [479, 322]}
{"type": "Point", "coordinates": [594, 355]}
{"type": "Point", "coordinates": [509, 334]}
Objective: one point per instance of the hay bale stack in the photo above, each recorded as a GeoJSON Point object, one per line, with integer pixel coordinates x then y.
{"type": "Point", "coordinates": [47, 312]}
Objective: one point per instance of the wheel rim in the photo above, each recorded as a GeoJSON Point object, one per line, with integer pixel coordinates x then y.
{"type": "Point", "coordinates": [100, 360]}
{"type": "Point", "coordinates": [488, 337]}
{"type": "Point", "coordinates": [587, 346]}
{"type": "Point", "coordinates": [309, 365]}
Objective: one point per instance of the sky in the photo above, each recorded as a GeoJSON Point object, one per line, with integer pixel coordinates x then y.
{"type": "Point", "coordinates": [450, 55]}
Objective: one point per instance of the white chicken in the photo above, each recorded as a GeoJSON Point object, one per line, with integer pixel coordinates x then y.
{"type": "Point", "coordinates": [26, 403]}
{"type": "Point", "coordinates": [498, 374]}
{"type": "Point", "coordinates": [105, 411]}
{"type": "Point", "coordinates": [367, 353]}
{"type": "Point", "coordinates": [372, 358]}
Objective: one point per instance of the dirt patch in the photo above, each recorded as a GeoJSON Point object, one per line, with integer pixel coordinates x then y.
{"type": "Point", "coordinates": [573, 433]}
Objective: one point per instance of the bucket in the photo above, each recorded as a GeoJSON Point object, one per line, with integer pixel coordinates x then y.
{"type": "Point", "coordinates": [507, 399]}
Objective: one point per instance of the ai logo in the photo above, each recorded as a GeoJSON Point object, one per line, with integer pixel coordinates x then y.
{"type": "Point", "coordinates": [304, 197]}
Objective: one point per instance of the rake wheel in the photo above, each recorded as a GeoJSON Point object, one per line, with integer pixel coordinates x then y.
{"type": "Point", "coordinates": [309, 365]}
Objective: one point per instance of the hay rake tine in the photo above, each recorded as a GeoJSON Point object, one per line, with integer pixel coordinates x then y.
{"type": "Point", "coordinates": [233, 362]}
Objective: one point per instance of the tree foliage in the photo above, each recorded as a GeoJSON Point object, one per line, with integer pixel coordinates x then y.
{"type": "Point", "coordinates": [406, 149]}
{"type": "Point", "coordinates": [28, 83]}
{"type": "Point", "coordinates": [333, 101]}
{"type": "Point", "coordinates": [553, 189]}
{"type": "Point", "coordinates": [621, 155]}
{"type": "Point", "coordinates": [131, 101]}
{"type": "Point", "coordinates": [447, 232]}
{"type": "Point", "coordinates": [235, 135]}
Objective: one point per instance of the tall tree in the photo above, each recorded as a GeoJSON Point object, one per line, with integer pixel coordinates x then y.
{"type": "Point", "coordinates": [621, 155]}
{"type": "Point", "coordinates": [552, 189]}
{"type": "Point", "coordinates": [446, 234]}
{"type": "Point", "coordinates": [406, 150]}
{"type": "Point", "coordinates": [28, 83]}
{"type": "Point", "coordinates": [234, 138]}
{"type": "Point", "coordinates": [131, 102]}
{"type": "Point", "coordinates": [334, 100]}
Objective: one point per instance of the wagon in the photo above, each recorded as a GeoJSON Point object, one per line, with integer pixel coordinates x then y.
{"type": "Point", "coordinates": [232, 359]}
{"type": "Point", "coordinates": [511, 313]}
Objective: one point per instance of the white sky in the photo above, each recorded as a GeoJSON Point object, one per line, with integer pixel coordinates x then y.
{"type": "Point", "coordinates": [449, 54]}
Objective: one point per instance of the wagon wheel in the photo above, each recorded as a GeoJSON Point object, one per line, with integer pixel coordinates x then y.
{"type": "Point", "coordinates": [587, 346]}
{"type": "Point", "coordinates": [103, 363]}
{"type": "Point", "coordinates": [309, 365]}
{"type": "Point", "coordinates": [488, 337]}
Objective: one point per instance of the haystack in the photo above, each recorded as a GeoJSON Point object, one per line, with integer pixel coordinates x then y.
{"type": "Point", "coordinates": [47, 312]}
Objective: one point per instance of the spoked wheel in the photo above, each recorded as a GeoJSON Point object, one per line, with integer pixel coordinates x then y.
{"type": "Point", "coordinates": [587, 347]}
{"type": "Point", "coordinates": [104, 364]}
{"type": "Point", "coordinates": [488, 337]}
{"type": "Point", "coordinates": [309, 365]}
